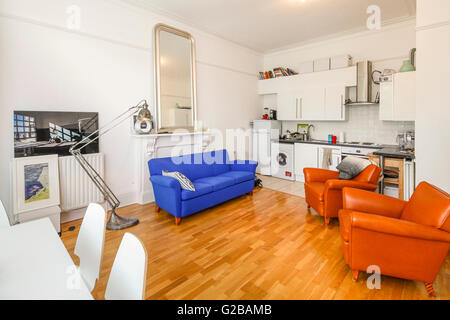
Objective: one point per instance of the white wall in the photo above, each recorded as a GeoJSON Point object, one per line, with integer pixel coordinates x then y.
{"type": "Point", "coordinates": [106, 67]}
{"type": "Point", "coordinates": [433, 94]}
{"type": "Point", "coordinates": [386, 48]}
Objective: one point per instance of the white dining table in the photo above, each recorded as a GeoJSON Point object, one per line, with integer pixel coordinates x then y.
{"type": "Point", "coordinates": [35, 265]}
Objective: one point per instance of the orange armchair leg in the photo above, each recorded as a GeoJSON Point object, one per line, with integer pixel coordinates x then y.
{"type": "Point", "coordinates": [430, 289]}
{"type": "Point", "coordinates": [177, 221]}
{"type": "Point", "coordinates": [355, 275]}
{"type": "Point", "coordinates": [327, 220]}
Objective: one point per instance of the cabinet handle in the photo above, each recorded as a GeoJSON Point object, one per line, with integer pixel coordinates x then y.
{"type": "Point", "coordinates": [301, 108]}
{"type": "Point", "coordinates": [296, 108]}
{"type": "Point", "coordinates": [342, 106]}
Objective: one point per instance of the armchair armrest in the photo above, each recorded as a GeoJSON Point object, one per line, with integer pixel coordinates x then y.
{"type": "Point", "coordinates": [341, 184]}
{"type": "Point", "coordinates": [397, 227]}
{"type": "Point", "coordinates": [244, 165]}
{"type": "Point", "coordinates": [370, 202]}
{"type": "Point", "coordinates": [167, 182]}
{"type": "Point", "coordinates": [319, 175]}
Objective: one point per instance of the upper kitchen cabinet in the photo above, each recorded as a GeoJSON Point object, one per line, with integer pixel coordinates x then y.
{"type": "Point", "coordinates": [398, 98]}
{"type": "Point", "coordinates": [335, 103]}
{"type": "Point", "coordinates": [313, 104]}
{"type": "Point", "coordinates": [288, 106]}
{"type": "Point", "coordinates": [318, 96]}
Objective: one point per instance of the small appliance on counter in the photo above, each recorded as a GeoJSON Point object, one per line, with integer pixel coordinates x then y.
{"type": "Point", "coordinates": [269, 114]}
{"type": "Point", "coordinates": [406, 141]}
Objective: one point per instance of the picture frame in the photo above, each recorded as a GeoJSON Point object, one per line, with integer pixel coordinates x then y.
{"type": "Point", "coordinates": [36, 183]}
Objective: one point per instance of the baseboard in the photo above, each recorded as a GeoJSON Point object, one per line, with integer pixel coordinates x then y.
{"type": "Point", "coordinates": [125, 200]}
{"type": "Point", "coordinates": [146, 197]}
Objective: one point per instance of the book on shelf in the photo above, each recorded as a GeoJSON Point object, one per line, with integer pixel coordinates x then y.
{"type": "Point", "coordinates": [276, 73]}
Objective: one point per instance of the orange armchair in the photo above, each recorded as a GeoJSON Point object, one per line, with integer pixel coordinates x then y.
{"type": "Point", "coordinates": [408, 240]}
{"type": "Point", "coordinates": [323, 189]}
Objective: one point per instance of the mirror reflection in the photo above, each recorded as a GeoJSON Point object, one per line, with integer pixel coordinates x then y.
{"type": "Point", "coordinates": [175, 80]}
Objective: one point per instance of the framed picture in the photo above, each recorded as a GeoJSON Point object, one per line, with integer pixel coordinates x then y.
{"type": "Point", "coordinates": [36, 183]}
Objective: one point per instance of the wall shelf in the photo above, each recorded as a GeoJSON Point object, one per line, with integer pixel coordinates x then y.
{"type": "Point", "coordinates": [346, 77]}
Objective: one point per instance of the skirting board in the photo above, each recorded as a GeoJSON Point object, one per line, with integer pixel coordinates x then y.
{"type": "Point", "coordinates": [77, 214]}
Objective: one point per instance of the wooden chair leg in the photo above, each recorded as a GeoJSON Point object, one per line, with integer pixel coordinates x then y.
{"type": "Point", "coordinates": [309, 206]}
{"type": "Point", "coordinates": [430, 289]}
{"type": "Point", "coordinates": [327, 220]}
{"type": "Point", "coordinates": [157, 209]}
{"type": "Point", "coordinates": [251, 193]}
{"type": "Point", "coordinates": [177, 221]}
{"type": "Point", "coordinates": [355, 275]}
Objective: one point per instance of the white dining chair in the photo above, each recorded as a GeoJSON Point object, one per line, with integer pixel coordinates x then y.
{"type": "Point", "coordinates": [4, 220]}
{"type": "Point", "coordinates": [129, 271]}
{"type": "Point", "coordinates": [90, 242]}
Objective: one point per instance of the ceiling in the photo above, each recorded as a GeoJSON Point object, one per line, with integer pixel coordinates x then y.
{"type": "Point", "coordinates": [268, 25]}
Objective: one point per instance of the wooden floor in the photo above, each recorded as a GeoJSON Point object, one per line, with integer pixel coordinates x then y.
{"type": "Point", "coordinates": [268, 246]}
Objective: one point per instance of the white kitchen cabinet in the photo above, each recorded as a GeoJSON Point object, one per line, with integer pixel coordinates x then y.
{"type": "Point", "coordinates": [306, 156]}
{"type": "Point", "coordinates": [335, 103]}
{"type": "Point", "coordinates": [287, 108]}
{"type": "Point", "coordinates": [398, 98]}
{"type": "Point", "coordinates": [311, 104]}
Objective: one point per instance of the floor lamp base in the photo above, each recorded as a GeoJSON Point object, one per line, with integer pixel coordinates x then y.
{"type": "Point", "coordinates": [116, 222]}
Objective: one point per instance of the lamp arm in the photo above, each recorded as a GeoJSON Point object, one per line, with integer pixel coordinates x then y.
{"type": "Point", "coordinates": [99, 182]}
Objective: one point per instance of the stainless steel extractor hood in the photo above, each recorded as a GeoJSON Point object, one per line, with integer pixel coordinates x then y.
{"type": "Point", "coordinates": [364, 84]}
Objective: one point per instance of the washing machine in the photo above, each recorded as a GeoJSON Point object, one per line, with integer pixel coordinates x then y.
{"type": "Point", "coordinates": [283, 162]}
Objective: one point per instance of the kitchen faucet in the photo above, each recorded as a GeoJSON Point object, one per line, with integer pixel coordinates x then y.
{"type": "Point", "coordinates": [308, 135]}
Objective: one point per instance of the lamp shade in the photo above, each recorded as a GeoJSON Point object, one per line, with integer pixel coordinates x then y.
{"type": "Point", "coordinates": [144, 114]}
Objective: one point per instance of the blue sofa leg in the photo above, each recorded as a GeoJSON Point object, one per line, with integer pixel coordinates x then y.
{"type": "Point", "coordinates": [177, 221]}
{"type": "Point", "coordinates": [251, 193]}
{"type": "Point", "coordinates": [157, 209]}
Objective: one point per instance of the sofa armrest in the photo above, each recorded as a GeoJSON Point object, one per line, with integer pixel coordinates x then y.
{"type": "Point", "coordinates": [167, 192]}
{"type": "Point", "coordinates": [365, 201]}
{"type": "Point", "coordinates": [244, 165]}
{"type": "Point", "coordinates": [164, 181]}
{"type": "Point", "coordinates": [319, 175]}
{"type": "Point", "coordinates": [397, 227]}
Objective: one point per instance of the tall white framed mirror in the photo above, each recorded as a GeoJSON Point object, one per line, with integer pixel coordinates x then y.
{"type": "Point", "coordinates": [175, 80]}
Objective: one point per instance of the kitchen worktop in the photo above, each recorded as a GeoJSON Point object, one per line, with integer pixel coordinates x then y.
{"type": "Point", "coordinates": [324, 142]}
{"type": "Point", "coordinates": [394, 152]}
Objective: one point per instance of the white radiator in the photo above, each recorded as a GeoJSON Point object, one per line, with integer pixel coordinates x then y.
{"type": "Point", "coordinates": [77, 190]}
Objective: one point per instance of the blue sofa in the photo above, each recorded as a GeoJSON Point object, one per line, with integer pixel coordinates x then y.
{"type": "Point", "coordinates": [215, 177]}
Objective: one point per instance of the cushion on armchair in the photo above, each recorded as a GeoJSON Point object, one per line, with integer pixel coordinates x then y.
{"type": "Point", "coordinates": [351, 167]}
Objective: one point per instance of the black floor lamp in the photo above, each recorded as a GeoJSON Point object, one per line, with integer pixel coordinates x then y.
{"type": "Point", "coordinates": [115, 221]}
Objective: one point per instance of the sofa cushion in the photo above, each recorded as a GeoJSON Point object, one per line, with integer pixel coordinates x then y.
{"type": "Point", "coordinates": [200, 189]}
{"type": "Point", "coordinates": [217, 182]}
{"type": "Point", "coordinates": [239, 176]}
{"type": "Point", "coordinates": [316, 189]}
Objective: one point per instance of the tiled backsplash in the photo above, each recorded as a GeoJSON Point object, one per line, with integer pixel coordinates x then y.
{"type": "Point", "coordinates": [363, 125]}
